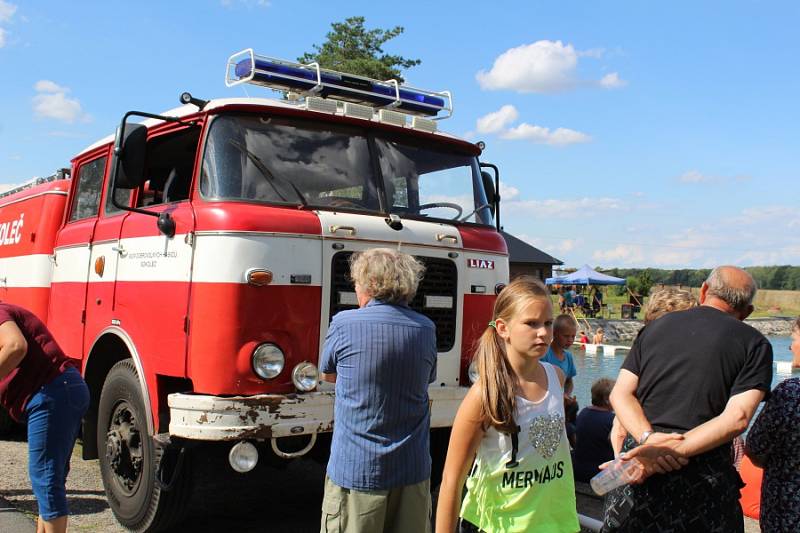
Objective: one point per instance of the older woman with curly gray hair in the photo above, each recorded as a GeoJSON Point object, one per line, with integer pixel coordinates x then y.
{"type": "Point", "coordinates": [382, 358]}
{"type": "Point", "coordinates": [386, 275]}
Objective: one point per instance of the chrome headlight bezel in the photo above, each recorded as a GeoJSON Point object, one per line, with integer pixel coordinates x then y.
{"type": "Point", "coordinates": [268, 360]}
{"type": "Point", "coordinates": [305, 376]}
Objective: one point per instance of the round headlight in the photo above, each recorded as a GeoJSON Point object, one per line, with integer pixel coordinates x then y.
{"type": "Point", "coordinates": [305, 376]}
{"type": "Point", "coordinates": [472, 371]}
{"type": "Point", "coordinates": [268, 360]}
{"type": "Point", "coordinates": [243, 457]}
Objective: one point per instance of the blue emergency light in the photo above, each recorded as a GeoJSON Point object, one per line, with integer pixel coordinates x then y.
{"type": "Point", "coordinates": [247, 67]}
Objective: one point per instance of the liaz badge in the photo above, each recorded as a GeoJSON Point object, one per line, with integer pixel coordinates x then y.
{"type": "Point", "coordinates": [481, 263]}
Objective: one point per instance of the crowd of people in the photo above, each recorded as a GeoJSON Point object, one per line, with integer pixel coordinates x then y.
{"type": "Point", "coordinates": [688, 388]}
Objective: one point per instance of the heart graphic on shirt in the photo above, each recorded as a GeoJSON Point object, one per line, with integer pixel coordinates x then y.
{"type": "Point", "coordinates": [545, 434]}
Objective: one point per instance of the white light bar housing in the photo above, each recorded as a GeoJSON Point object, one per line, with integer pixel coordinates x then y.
{"type": "Point", "coordinates": [358, 111]}
{"type": "Point", "coordinates": [321, 105]}
{"type": "Point", "coordinates": [423, 124]}
{"type": "Point", "coordinates": [392, 117]}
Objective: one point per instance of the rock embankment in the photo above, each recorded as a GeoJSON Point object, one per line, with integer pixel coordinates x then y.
{"type": "Point", "coordinates": [624, 331]}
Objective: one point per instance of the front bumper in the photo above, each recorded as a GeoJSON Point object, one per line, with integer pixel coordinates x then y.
{"type": "Point", "coordinates": [272, 416]}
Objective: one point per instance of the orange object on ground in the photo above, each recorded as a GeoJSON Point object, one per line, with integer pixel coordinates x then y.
{"type": "Point", "coordinates": [751, 493]}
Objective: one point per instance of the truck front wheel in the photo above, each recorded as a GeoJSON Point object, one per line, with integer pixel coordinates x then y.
{"type": "Point", "coordinates": [129, 457]}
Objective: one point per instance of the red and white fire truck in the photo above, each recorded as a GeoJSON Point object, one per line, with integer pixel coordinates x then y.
{"type": "Point", "coordinates": [193, 262]}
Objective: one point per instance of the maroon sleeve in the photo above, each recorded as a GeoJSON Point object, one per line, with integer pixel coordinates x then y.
{"type": "Point", "coordinates": [6, 316]}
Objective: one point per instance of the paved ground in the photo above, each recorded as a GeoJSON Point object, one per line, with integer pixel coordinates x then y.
{"type": "Point", "coordinates": [287, 500]}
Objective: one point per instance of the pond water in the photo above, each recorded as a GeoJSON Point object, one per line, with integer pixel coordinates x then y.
{"type": "Point", "coordinates": [592, 367]}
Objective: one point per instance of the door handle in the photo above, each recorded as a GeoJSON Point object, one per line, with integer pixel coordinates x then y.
{"type": "Point", "coordinates": [349, 229]}
{"type": "Point", "coordinates": [445, 237]}
{"type": "Point", "coordinates": [120, 250]}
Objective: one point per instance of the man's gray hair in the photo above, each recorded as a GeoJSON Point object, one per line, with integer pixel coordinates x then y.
{"type": "Point", "coordinates": [386, 274]}
{"type": "Point", "coordinates": [738, 297]}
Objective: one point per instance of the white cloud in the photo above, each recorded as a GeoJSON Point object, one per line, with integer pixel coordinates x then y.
{"type": "Point", "coordinates": [541, 67]}
{"type": "Point", "coordinates": [612, 81]}
{"type": "Point", "coordinates": [508, 193]}
{"type": "Point", "coordinates": [622, 255]}
{"type": "Point", "coordinates": [595, 53]}
{"type": "Point", "coordinates": [556, 208]}
{"type": "Point", "coordinates": [695, 176]}
{"type": "Point", "coordinates": [495, 122]}
{"type": "Point", "coordinates": [52, 102]}
{"type": "Point", "coordinates": [772, 216]}
{"type": "Point", "coordinates": [542, 135]}
{"type": "Point", "coordinates": [7, 11]}
{"type": "Point", "coordinates": [47, 86]}
{"type": "Point", "coordinates": [551, 246]}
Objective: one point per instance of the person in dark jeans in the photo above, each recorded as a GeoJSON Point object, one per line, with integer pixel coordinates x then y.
{"type": "Point", "coordinates": [592, 428]}
{"type": "Point", "coordinates": [40, 385]}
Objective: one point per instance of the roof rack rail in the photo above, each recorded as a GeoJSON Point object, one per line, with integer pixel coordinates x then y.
{"type": "Point", "coordinates": [312, 80]}
{"type": "Point", "coordinates": [60, 174]}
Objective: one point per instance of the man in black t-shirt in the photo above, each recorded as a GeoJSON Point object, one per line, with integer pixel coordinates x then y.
{"type": "Point", "coordinates": [691, 383]}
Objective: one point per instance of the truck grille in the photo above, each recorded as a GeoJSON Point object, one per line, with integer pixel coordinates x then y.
{"type": "Point", "coordinates": [441, 280]}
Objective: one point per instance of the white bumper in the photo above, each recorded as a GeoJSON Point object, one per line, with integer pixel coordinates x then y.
{"type": "Point", "coordinates": [271, 416]}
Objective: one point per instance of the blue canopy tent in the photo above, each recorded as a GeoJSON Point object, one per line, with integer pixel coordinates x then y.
{"type": "Point", "coordinates": [585, 276]}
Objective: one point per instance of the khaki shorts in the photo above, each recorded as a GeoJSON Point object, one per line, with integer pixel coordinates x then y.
{"type": "Point", "coordinates": [404, 509]}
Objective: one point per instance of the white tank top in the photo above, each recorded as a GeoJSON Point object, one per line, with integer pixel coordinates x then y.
{"type": "Point", "coordinates": [537, 493]}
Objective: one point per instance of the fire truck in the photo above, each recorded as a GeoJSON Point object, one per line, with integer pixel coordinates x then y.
{"type": "Point", "coordinates": [193, 261]}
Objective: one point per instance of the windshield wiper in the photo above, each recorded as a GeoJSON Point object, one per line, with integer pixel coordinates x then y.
{"type": "Point", "coordinates": [267, 173]}
{"type": "Point", "coordinates": [484, 206]}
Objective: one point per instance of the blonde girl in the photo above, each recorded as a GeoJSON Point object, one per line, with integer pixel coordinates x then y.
{"type": "Point", "coordinates": [511, 423]}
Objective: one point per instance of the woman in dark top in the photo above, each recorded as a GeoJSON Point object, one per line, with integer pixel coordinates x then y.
{"type": "Point", "coordinates": [40, 386]}
{"type": "Point", "coordinates": [592, 428]}
{"type": "Point", "coordinates": [773, 443]}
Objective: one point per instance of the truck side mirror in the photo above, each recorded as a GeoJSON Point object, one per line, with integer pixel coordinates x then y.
{"type": "Point", "coordinates": [488, 186]}
{"type": "Point", "coordinates": [491, 184]}
{"type": "Point", "coordinates": [129, 155]}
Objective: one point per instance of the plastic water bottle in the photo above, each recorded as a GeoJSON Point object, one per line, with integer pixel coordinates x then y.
{"type": "Point", "coordinates": [616, 474]}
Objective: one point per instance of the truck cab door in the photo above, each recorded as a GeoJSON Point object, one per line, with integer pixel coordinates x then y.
{"type": "Point", "coordinates": [154, 271]}
{"type": "Point", "coordinates": [103, 261]}
{"type": "Point", "coordinates": [72, 255]}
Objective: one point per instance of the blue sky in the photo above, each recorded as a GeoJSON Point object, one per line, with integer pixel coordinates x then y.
{"type": "Point", "coordinates": [627, 133]}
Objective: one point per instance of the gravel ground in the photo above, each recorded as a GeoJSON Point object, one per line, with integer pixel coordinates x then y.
{"type": "Point", "coordinates": [278, 500]}
{"type": "Point", "coordinates": [287, 499]}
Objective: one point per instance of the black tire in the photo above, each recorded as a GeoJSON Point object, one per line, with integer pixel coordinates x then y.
{"type": "Point", "coordinates": [129, 457]}
{"type": "Point", "coordinates": [7, 424]}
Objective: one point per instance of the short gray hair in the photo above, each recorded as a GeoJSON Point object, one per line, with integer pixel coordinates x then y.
{"type": "Point", "coordinates": [738, 297]}
{"type": "Point", "coordinates": [386, 274]}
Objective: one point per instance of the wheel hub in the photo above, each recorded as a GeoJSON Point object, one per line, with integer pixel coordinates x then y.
{"type": "Point", "coordinates": [124, 447]}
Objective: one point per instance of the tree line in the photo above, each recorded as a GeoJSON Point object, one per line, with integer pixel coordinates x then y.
{"type": "Point", "coordinates": [784, 277]}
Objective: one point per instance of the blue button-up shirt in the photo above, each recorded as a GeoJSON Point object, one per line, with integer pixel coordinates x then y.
{"type": "Point", "coordinates": [384, 357]}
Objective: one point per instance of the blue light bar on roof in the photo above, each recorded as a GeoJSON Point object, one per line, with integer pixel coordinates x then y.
{"type": "Point", "coordinates": [246, 67]}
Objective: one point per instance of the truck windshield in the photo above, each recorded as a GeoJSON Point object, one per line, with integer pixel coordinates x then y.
{"type": "Point", "coordinates": [291, 161]}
